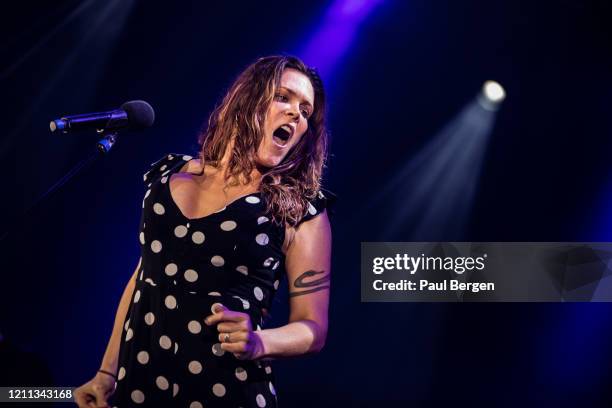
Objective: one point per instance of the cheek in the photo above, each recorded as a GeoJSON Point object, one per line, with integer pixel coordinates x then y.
{"type": "Point", "coordinates": [303, 128]}
{"type": "Point", "coordinates": [274, 110]}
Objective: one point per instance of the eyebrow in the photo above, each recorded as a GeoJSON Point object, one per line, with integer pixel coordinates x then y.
{"type": "Point", "coordinates": [292, 92]}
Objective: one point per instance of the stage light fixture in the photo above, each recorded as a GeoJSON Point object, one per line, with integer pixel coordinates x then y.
{"type": "Point", "coordinates": [491, 95]}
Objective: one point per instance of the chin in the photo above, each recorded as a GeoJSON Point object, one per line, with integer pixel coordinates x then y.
{"type": "Point", "coordinates": [268, 155]}
{"type": "Point", "coordinates": [269, 162]}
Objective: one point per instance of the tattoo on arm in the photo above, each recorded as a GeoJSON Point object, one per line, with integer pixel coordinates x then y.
{"type": "Point", "coordinates": [312, 286]}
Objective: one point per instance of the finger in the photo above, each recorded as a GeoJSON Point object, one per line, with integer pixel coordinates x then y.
{"type": "Point", "coordinates": [78, 398]}
{"type": "Point", "coordinates": [235, 337]}
{"type": "Point", "coordinates": [218, 307]}
{"type": "Point", "coordinates": [98, 404]}
{"type": "Point", "coordinates": [92, 403]}
{"type": "Point", "coordinates": [84, 399]}
{"type": "Point", "coordinates": [227, 315]}
{"type": "Point", "coordinates": [229, 327]}
{"type": "Point", "coordinates": [225, 337]}
{"type": "Point", "coordinates": [100, 396]}
{"type": "Point", "coordinates": [103, 404]}
{"type": "Point", "coordinates": [81, 401]}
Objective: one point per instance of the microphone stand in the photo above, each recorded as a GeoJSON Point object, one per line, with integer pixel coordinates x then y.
{"type": "Point", "coordinates": [104, 145]}
{"type": "Point", "coordinates": [108, 141]}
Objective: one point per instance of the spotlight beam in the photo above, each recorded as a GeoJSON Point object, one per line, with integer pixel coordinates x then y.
{"type": "Point", "coordinates": [432, 196]}
{"type": "Point", "coordinates": [333, 38]}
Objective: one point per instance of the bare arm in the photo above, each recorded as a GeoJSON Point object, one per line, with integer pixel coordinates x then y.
{"type": "Point", "coordinates": [308, 273]}
{"type": "Point", "coordinates": [96, 391]}
{"type": "Point", "coordinates": [111, 356]}
{"type": "Point", "coordinates": [308, 270]}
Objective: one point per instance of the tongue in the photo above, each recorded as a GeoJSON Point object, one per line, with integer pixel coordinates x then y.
{"type": "Point", "coordinates": [279, 141]}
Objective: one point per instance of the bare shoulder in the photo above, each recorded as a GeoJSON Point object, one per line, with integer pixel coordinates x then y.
{"type": "Point", "coordinates": [315, 229]}
{"type": "Point", "coordinates": [193, 166]}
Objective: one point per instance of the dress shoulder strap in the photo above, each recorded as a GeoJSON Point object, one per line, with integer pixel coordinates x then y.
{"type": "Point", "coordinates": [163, 166]}
{"type": "Point", "coordinates": [324, 200]}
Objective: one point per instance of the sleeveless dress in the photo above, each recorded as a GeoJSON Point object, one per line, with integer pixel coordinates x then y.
{"type": "Point", "coordinates": [168, 356]}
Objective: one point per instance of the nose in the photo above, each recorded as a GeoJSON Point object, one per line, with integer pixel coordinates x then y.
{"type": "Point", "coordinates": [293, 113]}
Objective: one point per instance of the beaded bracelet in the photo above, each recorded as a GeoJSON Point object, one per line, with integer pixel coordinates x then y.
{"type": "Point", "coordinates": [109, 373]}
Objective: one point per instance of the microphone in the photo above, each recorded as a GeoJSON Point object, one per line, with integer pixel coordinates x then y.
{"type": "Point", "coordinates": [133, 115]}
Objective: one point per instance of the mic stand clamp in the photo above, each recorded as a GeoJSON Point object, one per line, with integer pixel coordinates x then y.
{"type": "Point", "coordinates": [102, 147]}
{"type": "Point", "coordinates": [108, 141]}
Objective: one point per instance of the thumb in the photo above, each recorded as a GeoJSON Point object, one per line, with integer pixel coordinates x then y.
{"type": "Point", "coordinates": [218, 307]}
{"type": "Point", "coordinates": [100, 395]}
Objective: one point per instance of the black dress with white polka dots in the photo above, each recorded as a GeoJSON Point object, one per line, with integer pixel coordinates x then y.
{"type": "Point", "coordinates": [168, 356]}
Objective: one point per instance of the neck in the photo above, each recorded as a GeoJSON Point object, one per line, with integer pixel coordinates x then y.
{"type": "Point", "coordinates": [223, 168]}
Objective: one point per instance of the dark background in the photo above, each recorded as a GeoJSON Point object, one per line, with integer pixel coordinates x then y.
{"type": "Point", "coordinates": [411, 66]}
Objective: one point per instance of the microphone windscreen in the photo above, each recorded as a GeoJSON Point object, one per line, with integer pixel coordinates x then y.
{"type": "Point", "coordinates": [140, 114]}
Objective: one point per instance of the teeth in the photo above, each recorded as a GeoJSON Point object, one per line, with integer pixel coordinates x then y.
{"type": "Point", "coordinates": [287, 128]}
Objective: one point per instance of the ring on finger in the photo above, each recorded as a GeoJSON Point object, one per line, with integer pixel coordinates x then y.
{"type": "Point", "coordinates": [226, 338]}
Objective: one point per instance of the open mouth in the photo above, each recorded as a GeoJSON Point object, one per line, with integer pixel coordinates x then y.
{"type": "Point", "coordinates": [282, 135]}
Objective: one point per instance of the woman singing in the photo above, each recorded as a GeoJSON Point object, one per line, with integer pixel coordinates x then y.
{"type": "Point", "coordinates": [217, 235]}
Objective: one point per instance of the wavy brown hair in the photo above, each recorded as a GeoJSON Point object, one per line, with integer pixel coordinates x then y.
{"type": "Point", "coordinates": [288, 187]}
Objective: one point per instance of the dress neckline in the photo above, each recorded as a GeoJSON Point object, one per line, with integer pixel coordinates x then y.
{"type": "Point", "coordinates": [177, 169]}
